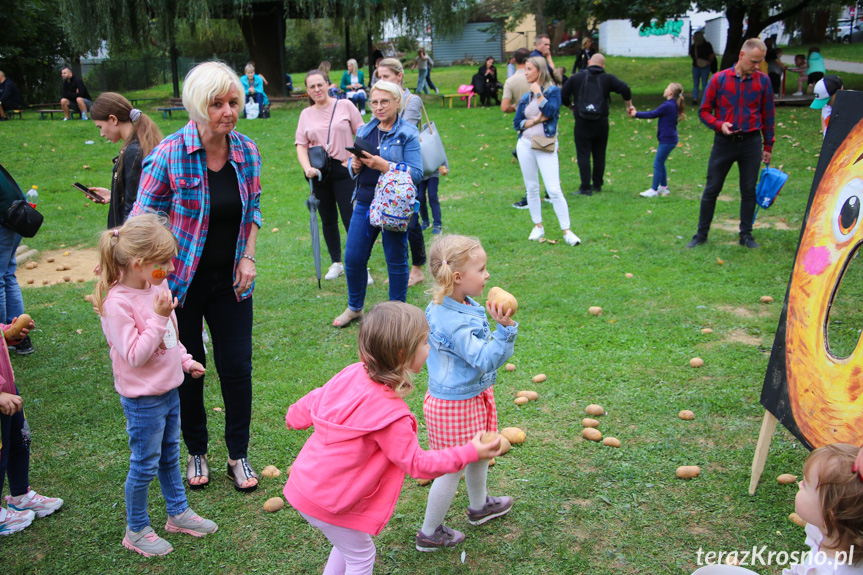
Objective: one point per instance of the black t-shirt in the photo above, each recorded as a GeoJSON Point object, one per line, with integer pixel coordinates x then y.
{"type": "Point", "coordinates": [9, 96]}
{"type": "Point", "coordinates": [73, 89]}
{"type": "Point", "coordinates": [226, 213]}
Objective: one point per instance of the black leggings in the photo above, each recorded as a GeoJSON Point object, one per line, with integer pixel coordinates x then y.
{"type": "Point", "coordinates": [334, 194]}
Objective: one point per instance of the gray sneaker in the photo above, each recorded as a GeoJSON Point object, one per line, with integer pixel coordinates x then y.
{"type": "Point", "coordinates": [146, 542]}
{"type": "Point", "coordinates": [494, 507]}
{"type": "Point", "coordinates": [190, 523]}
{"type": "Point", "coordinates": [442, 537]}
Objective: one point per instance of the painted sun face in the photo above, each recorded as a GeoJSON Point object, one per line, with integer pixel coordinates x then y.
{"type": "Point", "coordinates": [826, 391]}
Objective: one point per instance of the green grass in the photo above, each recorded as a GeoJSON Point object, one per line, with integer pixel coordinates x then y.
{"type": "Point", "coordinates": [831, 51]}
{"type": "Point", "coordinates": [580, 507]}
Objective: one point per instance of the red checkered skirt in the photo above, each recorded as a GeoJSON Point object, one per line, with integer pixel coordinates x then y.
{"type": "Point", "coordinates": [451, 423]}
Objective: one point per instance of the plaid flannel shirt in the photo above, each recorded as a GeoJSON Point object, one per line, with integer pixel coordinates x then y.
{"type": "Point", "coordinates": [745, 102]}
{"type": "Point", "coordinates": [174, 181]}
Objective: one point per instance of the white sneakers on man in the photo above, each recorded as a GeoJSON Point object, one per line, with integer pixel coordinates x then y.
{"type": "Point", "coordinates": [536, 233]}
{"type": "Point", "coordinates": [336, 269]}
{"type": "Point", "coordinates": [571, 238]}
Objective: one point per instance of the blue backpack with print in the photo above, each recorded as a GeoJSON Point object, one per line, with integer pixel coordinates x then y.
{"type": "Point", "coordinates": [395, 195]}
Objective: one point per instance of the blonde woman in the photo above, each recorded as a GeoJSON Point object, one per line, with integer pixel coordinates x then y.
{"type": "Point", "coordinates": [353, 85]}
{"type": "Point", "coordinates": [206, 179]}
{"type": "Point", "coordinates": [253, 85]}
{"type": "Point", "coordinates": [536, 119]}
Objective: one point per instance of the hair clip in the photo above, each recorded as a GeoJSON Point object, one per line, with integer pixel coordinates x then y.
{"type": "Point", "coordinates": [443, 263]}
{"type": "Point", "coordinates": [116, 232]}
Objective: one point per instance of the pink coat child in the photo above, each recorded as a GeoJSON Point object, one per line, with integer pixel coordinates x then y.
{"type": "Point", "coordinates": [347, 478]}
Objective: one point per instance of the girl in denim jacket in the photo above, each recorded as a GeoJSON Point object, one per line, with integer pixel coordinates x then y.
{"type": "Point", "coordinates": [462, 366]}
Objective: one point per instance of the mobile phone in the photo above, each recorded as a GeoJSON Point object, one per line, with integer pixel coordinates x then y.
{"type": "Point", "coordinates": [92, 195]}
{"type": "Point", "coordinates": [360, 153]}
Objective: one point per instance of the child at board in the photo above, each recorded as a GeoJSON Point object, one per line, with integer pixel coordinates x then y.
{"type": "Point", "coordinates": [24, 504]}
{"type": "Point", "coordinates": [830, 501]}
{"type": "Point", "coordinates": [137, 313]}
{"type": "Point", "coordinates": [462, 367]}
{"type": "Point", "coordinates": [825, 93]}
{"type": "Point", "coordinates": [800, 69]}
{"type": "Point", "coordinates": [669, 113]}
{"type": "Point", "coordinates": [348, 476]}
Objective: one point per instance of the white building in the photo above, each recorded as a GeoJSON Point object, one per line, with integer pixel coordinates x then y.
{"type": "Point", "coordinates": [620, 38]}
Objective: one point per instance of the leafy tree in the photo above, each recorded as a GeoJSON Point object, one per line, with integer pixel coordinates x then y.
{"type": "Point", "coordinates": [32, 48]}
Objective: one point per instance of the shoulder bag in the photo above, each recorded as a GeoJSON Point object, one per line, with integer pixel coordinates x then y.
{"type": "Point", "coordinates": [319, 159]}
{"type": "Point", "coordinates": [431, 146]}
{"type": "Point", "coordinates": [15, 213]}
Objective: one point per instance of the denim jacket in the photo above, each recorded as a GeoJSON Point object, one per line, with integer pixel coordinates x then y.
{"type": "Point", "coordinates": [400, 144]}
{"type": "Point", "coordinates": [465, 354]}
{"type": "Point", "coordinates": [550, 108]}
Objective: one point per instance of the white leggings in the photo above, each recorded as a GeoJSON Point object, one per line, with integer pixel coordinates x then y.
{"type": "Point", "coordinates": [443, 490]}
{"type": "Point", "coordinates": [533, 163]}
{"type": "Point", "coordinates": [353, 551]}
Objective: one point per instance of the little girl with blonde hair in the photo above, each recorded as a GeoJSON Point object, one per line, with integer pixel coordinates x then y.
{"type": "Point", "coordinates": [462, 364]}
{"type": "Point", "coordinates": [669, 113]}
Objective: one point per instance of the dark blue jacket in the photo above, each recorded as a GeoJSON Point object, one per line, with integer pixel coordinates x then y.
{"type": "Point", "coordinates": [666, 126]}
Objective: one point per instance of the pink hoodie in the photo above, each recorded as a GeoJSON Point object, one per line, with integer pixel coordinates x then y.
{"type": "Point", "coordinates": [351, 470]}
{"type": "Point", "coordinates": [146, 354]}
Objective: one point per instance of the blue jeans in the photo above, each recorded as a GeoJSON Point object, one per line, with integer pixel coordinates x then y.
{"type": "Point", "coordinates": [701, 75]}
{"type": "Point", "coordinates": [11, 301]}
{"type": "Point", "coordinates": [660, 174]}
{"type": "Point", "coordinates": [421, 81]}
{"type": "Point", "coordinates": [431, 186]}
{"type": "Point", "coordinates": [360, 100]}
{"type": "Point", "coordinates": [153, 426]}
{"type": "Point", "coordinates": [15, 453]}
{"type": "Point", "coordinates": [358, 248]}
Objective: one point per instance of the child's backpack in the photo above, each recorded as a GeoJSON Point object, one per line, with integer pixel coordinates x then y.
{"type": "Point", "coordinates": [395, 195]}
{"type": "Point", "coordinates": [769, 185]}
{"type": "Point", "coordinates": [591, 98]}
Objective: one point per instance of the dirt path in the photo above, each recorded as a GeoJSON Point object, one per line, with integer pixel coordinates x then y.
{"type": "Point", "coordinates": [79, 261]}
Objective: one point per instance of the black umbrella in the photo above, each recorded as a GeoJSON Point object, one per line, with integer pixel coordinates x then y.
{"type": "Point", "coordinates": [312, 203]}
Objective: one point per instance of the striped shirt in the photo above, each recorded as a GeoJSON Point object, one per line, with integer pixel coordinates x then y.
{"type": "Point", "coordinates": [174, 181]}
{"type": "Point", "coordinates": [745, 102]}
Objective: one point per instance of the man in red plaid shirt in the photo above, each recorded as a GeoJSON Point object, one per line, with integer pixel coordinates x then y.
{"type": "Point", "coordinates": [738, 106]}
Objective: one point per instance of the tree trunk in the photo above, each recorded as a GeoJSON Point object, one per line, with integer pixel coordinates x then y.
{"type": "Point", "coordinates": [814, 28]}
{"type": "Point", "coordinates": [264, 32]}
{"type": "Point", "coordinates": [736, 14]}
{"type": "Point", "coordinates": [539, 16]}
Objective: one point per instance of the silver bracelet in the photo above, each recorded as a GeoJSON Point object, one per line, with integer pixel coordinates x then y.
{"type": "Point", "coordinates": [248, 257]}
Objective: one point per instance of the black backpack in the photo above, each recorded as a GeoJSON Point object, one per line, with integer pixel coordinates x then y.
{"type": "Point", "coordinates": [591, 97]}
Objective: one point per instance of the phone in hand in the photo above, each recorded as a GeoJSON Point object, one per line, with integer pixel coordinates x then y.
{"type": "Point", "coordinates": [358, 152]}
{"type": "Point", "coordinates": [90, 194]}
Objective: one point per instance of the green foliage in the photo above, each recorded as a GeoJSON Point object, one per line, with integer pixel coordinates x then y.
{"type": "Point", "coordinates": [306, 54]}
{"type": "Point", "coordinates": [31, 43]}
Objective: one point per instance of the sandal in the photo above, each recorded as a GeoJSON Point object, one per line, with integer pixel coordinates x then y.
{"type": "Point", "coordinates": [240, 473]}
{"type": "Point", "coordinates": [197, 467]}
{"type": "Point", "coordinates": [347, 317]}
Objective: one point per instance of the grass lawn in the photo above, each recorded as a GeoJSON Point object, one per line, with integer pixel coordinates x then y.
{"type": "Point", "coordinates": [831, 51]}
{"type": "Point", "coordinates": [580, 507]}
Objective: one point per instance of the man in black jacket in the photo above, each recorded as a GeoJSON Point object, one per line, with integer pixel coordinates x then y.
{"type": "Point", "coordinates": [591, 118]}
{"type": "Point", "coordinates": [9, 96]}
{"type": "Point", "coordinates": [75, 91]}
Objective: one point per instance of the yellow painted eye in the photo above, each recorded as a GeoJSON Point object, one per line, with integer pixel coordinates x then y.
{"type": "Point", "coordinates": [846, 213]}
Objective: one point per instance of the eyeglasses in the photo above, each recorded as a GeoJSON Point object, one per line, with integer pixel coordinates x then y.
{"type": "Point", "coordinates": [381, 103]}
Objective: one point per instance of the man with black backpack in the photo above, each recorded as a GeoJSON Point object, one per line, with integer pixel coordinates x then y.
{"type": "Point", "coordinates": [589, 91]}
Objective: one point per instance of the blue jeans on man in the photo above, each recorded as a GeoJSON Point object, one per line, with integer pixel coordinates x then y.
{"type": "Point", "coordinates": [702, 76]}
{"type": "Point", "coordinates": [153, 426]}
{"type": "Point", "coordinates": [358, 248]}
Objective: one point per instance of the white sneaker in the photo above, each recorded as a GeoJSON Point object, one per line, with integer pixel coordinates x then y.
{"type": "Point", "coordinates": [797, 94]}
{"type": "Point", "coordinates": [31, 501]}
{"type": "Point", "coordinates": [437, 90]}
{"type": "Point", "coordinates": [571, 238]}
{"type": "Point", "coordinates": [65, 119]}
{"type": "Point", "coordinates": [362, 112]}
{"type": "Point", "coordinates": [336, 269]}
{"type": "Point", "coordinates": [84, 116]}
{"type": "Point", "coordinates": [663, 190]}
{"type": "Point", "coordinates": [651, 193]}
{"type": "Point", "coordinates": [536, 233]}
{"type": "Point", "coordinates": [370, 281]}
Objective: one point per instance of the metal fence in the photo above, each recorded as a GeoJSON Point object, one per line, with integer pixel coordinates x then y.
{"type": "Point", "coordinates": [125, 75]}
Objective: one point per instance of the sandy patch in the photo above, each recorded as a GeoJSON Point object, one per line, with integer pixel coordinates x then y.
{"type": "Point", "coordinates": [733, 226]}
{"type": "Point", "coordinates": [740, 336]}
{"type": "Point", "coordinates": [724, 198]}
{"type": "Point", "coordinates": [738, 311]}
{"type": "Point", "coordinates": [81, 262]}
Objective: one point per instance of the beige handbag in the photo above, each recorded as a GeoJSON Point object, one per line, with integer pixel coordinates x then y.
{"type": "Point", "coordinates": [543, 143]}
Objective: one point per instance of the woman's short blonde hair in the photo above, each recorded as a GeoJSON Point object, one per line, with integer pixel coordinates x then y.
{"type": "Point", "coordinates": [585, 41]}
{"type": "Point", "coordinates": [390, 88]}
{"type": "Point", "coordinates": [203, 84]}
{"type": "Point", "coordinates": [353, 63]}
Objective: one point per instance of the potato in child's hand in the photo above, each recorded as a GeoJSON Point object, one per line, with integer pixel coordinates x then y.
{"type": "Point", "coordinates": [488, 444]}
{"type": "Point", "coordinates": [19, 328]}
{"type": "Point", "coordinates": [504, 299]}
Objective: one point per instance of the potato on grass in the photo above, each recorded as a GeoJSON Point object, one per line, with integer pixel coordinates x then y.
{"type": "Point", "coordinates": [594, 409]}
{"type": "Point", "coordinates": [274, 504]}
{"type": "Point", "coordinates": [270, 471]}
{"type": "Point", "coordinates": [424, 482]}
{"type": "Point", "coordinates": [797, 520]}
{"type": "Point", "coordinates": [786, 479]}
{"type": "Point", "coordinates": [611, 442]}
{"type": "Point", "coordinates": [688, 471]}
{"type": "Point", "coordinates": [594, 310]}
{"type": "Point", "coordinates": [539, 378]}
{"type": "Point", "coordinates": [591, 434]}
{"type": "Point", "coordinates": [514, 435]}
{"type": "Point", "coordinates": [686, 415]}
{"type": "Point", "coordinates": [696, 362]}
{"type": "Point", "coordinates": [510, 367]}
{"type": "Point", "coordinates": [531, 395]}
{"type": "Point", "coordinates": [589, 422]}
{"type": "Point", "coordinates": [521, 400]}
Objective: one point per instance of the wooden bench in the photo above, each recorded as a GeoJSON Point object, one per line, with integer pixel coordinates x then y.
{"type": "Point", "coordinates": [43, 113]}
{"type": "Point", "coordinates": [448, 99]}
{"type": "Point", "coordinates": [168, 112]}
{"type": "Point", "coordinates": [13, 113]}
{"type": "Point", "coordinates": [134, 101]}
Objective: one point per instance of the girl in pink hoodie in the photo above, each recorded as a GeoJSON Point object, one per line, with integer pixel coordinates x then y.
{"type": "Point", "coordinates": [148, 360]}
{"type": "Point", "coordinates": [348, 476]}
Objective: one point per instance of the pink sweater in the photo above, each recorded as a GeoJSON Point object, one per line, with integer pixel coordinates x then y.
{"type": "Point", "coordinates": [7, 377]}
{"type": "Point", "coordinates": [146, 354]}
{"type": "Point", "coordinates": [351, 470]}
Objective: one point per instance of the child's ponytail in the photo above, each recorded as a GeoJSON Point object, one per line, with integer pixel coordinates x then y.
{"type": "Point", "coordinates": [677, 94]}
{"type": "Point", "coordinates": [448, 255]}
{"type": "Point", "coordinates": [145, 237]}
